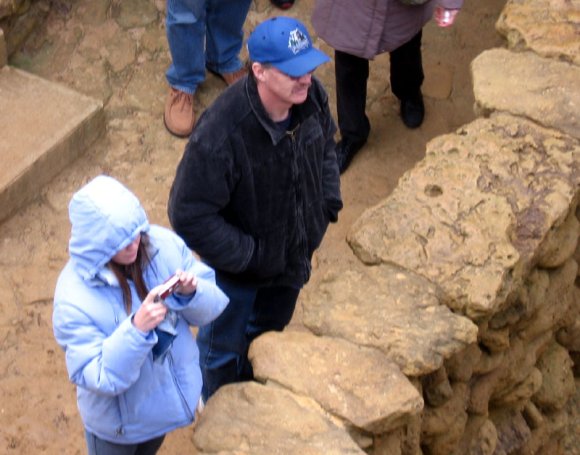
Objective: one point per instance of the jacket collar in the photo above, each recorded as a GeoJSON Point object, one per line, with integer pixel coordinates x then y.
{"type": "Point", "coordinates": [299, 111]}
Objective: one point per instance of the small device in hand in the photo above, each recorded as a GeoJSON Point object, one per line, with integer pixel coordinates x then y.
{"type": "Point", "coordinates": [168, 288]}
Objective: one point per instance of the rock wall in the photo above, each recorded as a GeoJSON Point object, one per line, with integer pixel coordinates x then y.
{"type": "Point", "coordinates": [18, 18]}
{"type": "Point", "coordinates": [457, 331]}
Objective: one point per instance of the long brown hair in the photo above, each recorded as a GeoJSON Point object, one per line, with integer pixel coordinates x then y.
{"type": "Point", "coordinates": [133, 272]}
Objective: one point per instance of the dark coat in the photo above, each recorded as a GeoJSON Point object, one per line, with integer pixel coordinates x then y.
{"type": "Point", "coordinates": [367, 28]}
{"type": "Point", "coordinates": [252, 200]}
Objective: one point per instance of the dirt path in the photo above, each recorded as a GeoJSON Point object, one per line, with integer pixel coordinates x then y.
{"type": "Point", "coordinates": [117, 51]}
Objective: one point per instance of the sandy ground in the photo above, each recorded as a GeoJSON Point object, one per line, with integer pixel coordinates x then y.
{"type": "Point", "coordinates": [90, 46]}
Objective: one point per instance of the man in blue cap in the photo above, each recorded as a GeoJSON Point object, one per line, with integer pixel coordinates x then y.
{"type": "Point", "coordinates": [255, 190]}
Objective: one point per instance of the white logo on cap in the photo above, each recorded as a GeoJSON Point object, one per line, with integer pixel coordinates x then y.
{"type": "Point", "coordinates": [297, 41]}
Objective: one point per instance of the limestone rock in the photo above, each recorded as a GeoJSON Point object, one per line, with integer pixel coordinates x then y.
{"type": "Point", "coordinates": [512, 431]}
{"type": "Point", "coordinates": [558, 384]}
{"type": "Point", "coordinates": [470, 216]}
{"type": "Point", "coordinates": [437, 388]}
{"type": "Point", "coordinates": [528, 299]}
{"type": "Point", "coordinates": [444, 426]}
{"type": "Point", "coordinates": [548, 27]}
{"type": "Point", "coordinates": [394, 311]}
{"type": "Point", "coordinates": [25, 16]}
{"type": "Point", "coordinates": [460, 366]}
{"type": "Point", "coordinates": [487, 363]}
{"type": "Point", "coordinates": [560, 243]}
{"type": "Point", "coordinates": [558, 299]}
{"type": "Point", "coordinates": [546, 438]}
{"type": "Point", "coordinates": [482, 388]}
{"type": "Point", "coordinates": [251, 419]}
{"type": "Point", "coordinates": [519, 376]}
{"type": "Point", "coordinates": [494, 340]}
{"type": "Point", "coordinates": [480, 437]}
{"type": "Point", "coordinates": [533, 416]}
{"type": "Point", "coordinates": [569, 336]}
{"type": "Point", "coordinates": [359, 385]}
{"type": "Point", "coordinates": [389, 443]}
{"type": "Point", "coordinates": [570, 440]}
{"type": "Point", "coordinates": [521, 392]}
{"type": "Point", "coordinates": [548, 94]}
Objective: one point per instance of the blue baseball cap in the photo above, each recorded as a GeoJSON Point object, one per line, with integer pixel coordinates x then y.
{"type": "Point", "coordinates": [284, 43]}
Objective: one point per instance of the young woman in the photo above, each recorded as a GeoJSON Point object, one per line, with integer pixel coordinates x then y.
{"type": "Point", "coordinates": [131, 354]}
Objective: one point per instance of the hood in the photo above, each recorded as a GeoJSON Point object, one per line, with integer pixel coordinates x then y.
{"type": "Point", "coordinates": [105, 218]}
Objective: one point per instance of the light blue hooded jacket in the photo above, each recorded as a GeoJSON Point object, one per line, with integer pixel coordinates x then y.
{"type": "Point", "coordinates": [123, 395]}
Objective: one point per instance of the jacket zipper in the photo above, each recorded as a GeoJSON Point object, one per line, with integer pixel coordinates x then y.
{"type": "Point", "coordinates": [181, 396]}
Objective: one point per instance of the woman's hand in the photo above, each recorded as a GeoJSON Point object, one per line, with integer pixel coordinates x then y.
{"type": "Point", "coordinates": [187, 282]}
{"type": "Point", "coordinates": [444, 17]}
{"type": "Point", "coordinates": [151, 312]}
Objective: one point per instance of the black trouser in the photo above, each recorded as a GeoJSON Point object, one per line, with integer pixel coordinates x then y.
{"type": "Point", "coordinates": [352, 73]}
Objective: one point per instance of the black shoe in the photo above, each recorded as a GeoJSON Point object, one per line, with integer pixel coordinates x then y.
{"type": "Point", "coordinates": [345, 152]}
{"type": "Point", "coordinates": [413, 111]}
{"type": "Point", "coordinates": [283, 4]}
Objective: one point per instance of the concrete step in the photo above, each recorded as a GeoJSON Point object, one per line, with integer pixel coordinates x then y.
{"type": "Point", "coordinates": [43, 127]}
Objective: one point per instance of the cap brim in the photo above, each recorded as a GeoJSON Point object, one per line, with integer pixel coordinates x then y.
{"type": "Point", "coordinates": [303, 63]}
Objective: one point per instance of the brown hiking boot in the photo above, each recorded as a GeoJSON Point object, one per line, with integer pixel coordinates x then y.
{"type": "Point", "coordinates": [179, 117]}
{"type": "Point", "coordinates": [230, 78]}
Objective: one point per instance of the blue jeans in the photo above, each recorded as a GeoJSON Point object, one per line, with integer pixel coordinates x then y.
{"type": "Point", "coordinates": [223, 344]}
{"type": "Point", "coordinates": [97, 446]}
{"type": "Point", "coordinates": [203, 33]}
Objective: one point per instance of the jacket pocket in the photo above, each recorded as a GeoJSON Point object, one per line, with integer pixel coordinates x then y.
{"type": "Point", "coordinates": [270, 255]}
{"type": "Point", "coordinates": [317, 221]}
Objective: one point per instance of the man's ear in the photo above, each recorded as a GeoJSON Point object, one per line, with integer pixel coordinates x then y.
{"type": "Point", "coordinates": [259, 71]}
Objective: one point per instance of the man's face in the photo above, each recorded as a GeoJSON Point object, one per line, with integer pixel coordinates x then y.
{"type": "Point", "coordinates": [284, 88]}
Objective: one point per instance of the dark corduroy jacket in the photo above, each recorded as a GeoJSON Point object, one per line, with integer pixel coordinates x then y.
{"type": "Point", "coordinates": [253, 200]}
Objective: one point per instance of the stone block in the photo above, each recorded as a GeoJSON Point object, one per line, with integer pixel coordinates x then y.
{"type": "Point", "coordinates": [548, 27]}
{"type": "Point", "coordinates": [45, 126]}
{"type": "Point", "coordinates": [395, 311]}
{"type": "Point", "coordinates": [452, 218]}
{"type": "Point", "coordinates": [251, 419]}
{"type": "Point", "coordinates": [357, 384]}
{"type": "Point", "coordinates": [548, 94]}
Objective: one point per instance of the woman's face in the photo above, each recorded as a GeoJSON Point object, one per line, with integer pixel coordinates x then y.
{"type": "Point", "coordinates": [128, 254]}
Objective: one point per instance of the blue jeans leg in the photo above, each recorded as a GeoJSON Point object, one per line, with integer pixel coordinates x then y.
{"type": "Point", "coordinates": [273, 310]}
{"type": "Point", "coordinates": [225, 34]}
{"type": "Point", "coordinates": [200, 33]}
{"type": "Point", "coordinates": [185, 24]}
{"type": "Point", "coordinates": [224, 343]}
{"type": "Point", "coordinates": [97, 446]}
